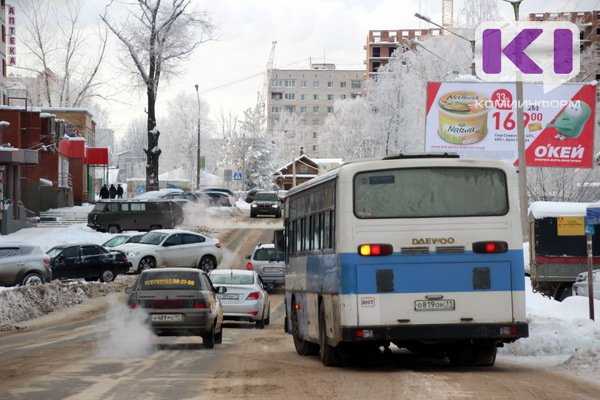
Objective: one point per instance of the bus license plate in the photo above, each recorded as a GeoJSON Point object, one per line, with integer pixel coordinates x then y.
{"type": "Point", "coordinates": [434, 305]}
{"type": "Point", "coordinates": [167, 317]}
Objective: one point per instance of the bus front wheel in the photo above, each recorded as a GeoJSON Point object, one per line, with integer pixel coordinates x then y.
{"type": "Point", "coordinates": [303, 347]}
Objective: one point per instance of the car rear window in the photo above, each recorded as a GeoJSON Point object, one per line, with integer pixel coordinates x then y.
{"type": "Point", "coordinates": [9, 252]}
{"type": "Point", "coordinates": [268, 255]}
{"type": "Point", "coordinates": [232, 279]}
{"type": "Point", "coordinates": [170, 280]}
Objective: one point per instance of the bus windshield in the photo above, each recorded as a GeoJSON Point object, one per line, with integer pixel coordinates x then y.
{"type": "Point", "coordinates": [430, 193]}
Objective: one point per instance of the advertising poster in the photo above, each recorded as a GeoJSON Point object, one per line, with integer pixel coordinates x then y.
{"type": "Point", "coordinates": [478, 120]}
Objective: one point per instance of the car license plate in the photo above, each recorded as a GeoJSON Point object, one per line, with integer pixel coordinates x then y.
{"type": "Point", "coordinates": [167, 317]}
{"type": "Point", "coordinates": [229, 296]}
{"type": "Point", "coordinates": [273, 270]}
{"type": "Point", "coordinates": [435, 305]}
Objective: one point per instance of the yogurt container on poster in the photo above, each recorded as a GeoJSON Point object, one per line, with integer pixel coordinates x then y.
{"type": "Point", "coordinates": [463, 117]}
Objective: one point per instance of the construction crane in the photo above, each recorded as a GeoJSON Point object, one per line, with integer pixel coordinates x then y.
{"type": "Point", "coordinates": [447, 13]}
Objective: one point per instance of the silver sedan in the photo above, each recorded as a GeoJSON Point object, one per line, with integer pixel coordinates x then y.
{"type": "Point", "coordinates": [246, 298]}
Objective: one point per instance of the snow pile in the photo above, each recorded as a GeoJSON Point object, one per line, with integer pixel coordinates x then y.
{"type": "Point", "coordinates": [24, 303]}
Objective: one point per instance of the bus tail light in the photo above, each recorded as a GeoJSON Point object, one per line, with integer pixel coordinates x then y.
{"type": "Point", "coordinates": [509, 331]}
{"type": "Point", "coordinates": [490, 247]}
{"type": "Point", "coordinates": [375, 249]}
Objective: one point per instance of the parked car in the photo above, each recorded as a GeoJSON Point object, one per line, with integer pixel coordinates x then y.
{"type": "Point", "coordinates": [580, 287]}
{"type": "Point", "coordinates": [265, 203]}
{"type": "Point", "coordinates": [268, 263]}
{"type": "Point", "coordinates": [122, 238]}
{"type": "Point", "coordinates": [87, 261]}
{"type": "Point", "coordinates": [215, 199]}
{"type": "Point", "coordinates": [246, 298]}
{"type": "Point", "coordinates": [23, 264]}
{"type": "Point", "coordinates": [250, 195]}
{"type": "Point", "coordinates": [115, 216]}
{"type": "Point", "coordinates": [173, 248]}
{"type": "Point", "coordinates": [179, 302]}
{"type": "Point", "coordinates": [157, 194]}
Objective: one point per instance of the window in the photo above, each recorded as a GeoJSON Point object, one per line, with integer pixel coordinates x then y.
{"type": "Point", "coordinates": [430, 193]}
{"type": "Point", "coordinates": [289, 109]}
{"type": "Point", "coordinates": [315, 84]}
{"type": "Point", "coordinates": [342, 97]}
{"type": "Point", "coordinates": [303, 122]}
{"type": "Point", "coordinates": [330, 97]}
{"type": "Point", "coordinates": [70, 252]}
{"type": "Point", "coordinates": [275, 96]}
{"type": "Point", "coordinates": [303, 109]}
{"type": "Point", "coordinates": [315, 122]}
{"type": "Point", "coordinates": [356, 84]}
{"type": "Point", "coordinates": [173, 240]}
{"type": "Point", "coordinates": [314, 147]}
{"type": "Point", "coordinates": [276, 109]}
{"type": "Point", "coordinates": [276, 83]}
{"type": "Point", "coordinates": [124, 206]}
{"type": "Point", "coordinates": [315, 97]}
{"type": "Point", "coordinates": [315, 109]}
{"type": "Point", "coordinates": [289, 83]}
{"type": "Point", "coordinates": [188, 238]}
{"type": "Point", "coordinates": [329, 110]}
{"type": "Point", "coordinates": [89, 251]}
{"type": "Point", "coordinates": [138, 207]}
{"type": "Point", "coordinates": [342, 84]}
{"type": "Point", "coordinates": [289, 96]}
{"type": "Point", "coordinates": [302, 97]}
{"type": "Point", "coordinates": [330, 84]}
{"type": "Point", "coordinates": [314, 135]}
{"type": "Point", "coordinates": [303, 85]}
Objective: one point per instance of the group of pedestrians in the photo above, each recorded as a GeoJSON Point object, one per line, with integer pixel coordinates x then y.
{"type": "Point", "coordinates": [113, 192]}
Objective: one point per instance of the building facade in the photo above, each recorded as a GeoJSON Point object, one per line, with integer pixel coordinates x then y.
{"type": "Point", "coordinates": [308, 96]}
{"type": "Point", "coordinates": [382, 44]}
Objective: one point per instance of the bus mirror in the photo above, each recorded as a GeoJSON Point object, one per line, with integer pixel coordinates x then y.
{"type": "Point", "coordinates": [279, 240]}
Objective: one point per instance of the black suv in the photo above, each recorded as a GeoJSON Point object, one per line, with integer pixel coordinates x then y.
{"type": "Point", "coordinates": [265, 203]}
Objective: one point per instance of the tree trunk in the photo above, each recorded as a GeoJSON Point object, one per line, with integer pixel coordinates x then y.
{"type": "Point", "coordinates": [153, 151]}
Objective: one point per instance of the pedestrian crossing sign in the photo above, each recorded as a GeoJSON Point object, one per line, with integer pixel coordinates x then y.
{"type": "Point", "coordinates": [237, 176]}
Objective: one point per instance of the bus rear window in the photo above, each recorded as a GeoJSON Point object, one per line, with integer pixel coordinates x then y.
{"type": "Point", "coordinates": [430, 193]}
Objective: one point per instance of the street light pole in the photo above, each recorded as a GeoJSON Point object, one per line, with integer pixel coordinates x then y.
{"type": "Point", "coordinates": [198, 149]}
{"type": "Point", "coordinates": [471, 42]}
{"type": "Point", "coordinates": [523, 203]}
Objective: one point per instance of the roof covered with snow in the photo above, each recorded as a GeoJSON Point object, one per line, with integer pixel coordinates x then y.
{"type": "Point", "coordinates": [543, 209]}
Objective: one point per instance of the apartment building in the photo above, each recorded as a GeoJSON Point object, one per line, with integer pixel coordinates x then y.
{"type": "Point", "coordinates": [381, 45]}
{"type": "Point", "coordinates": [309, 96]}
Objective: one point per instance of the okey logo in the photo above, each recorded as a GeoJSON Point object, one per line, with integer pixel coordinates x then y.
{"type": "Point", "coordinates": [530, 51]}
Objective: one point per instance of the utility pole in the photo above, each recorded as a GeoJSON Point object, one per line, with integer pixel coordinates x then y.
{"type": "Point", "coordinates": [198, 149]}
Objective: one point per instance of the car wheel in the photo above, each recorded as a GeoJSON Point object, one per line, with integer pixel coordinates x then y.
{"type": "Point", "coordinates": [260, 324]}
{"type": "Point", "coordinates": [33, 279]}
{"type": "Point", "coordinates": [268, 319]}
{"type": "Point", "coordinates": [207, 263]}
{"type": "Point", "coordinates": [107, 276]}
{"type": "Point", "coordinates": [146, 263]}
{"type": "Point", "coordinates": [208, 340]}
{"type": "Point", "coordinates": [219, 336]}
{"type": "Point", "coordinates": [114, 229]}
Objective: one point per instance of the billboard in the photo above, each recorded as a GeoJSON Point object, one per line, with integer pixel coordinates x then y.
{"type": "Point", "coordinates": [478, 120]}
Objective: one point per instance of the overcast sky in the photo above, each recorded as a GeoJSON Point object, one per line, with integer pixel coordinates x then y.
{"type": "Point", "coordinates": [333, 31]}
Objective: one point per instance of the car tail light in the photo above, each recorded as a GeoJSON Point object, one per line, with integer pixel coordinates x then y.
{"type": "Point", "coordinates": [252, 312]}
{"type": "Point", "coordinates": [134, 305]}
{"type": "Point", "coordinates": [249, 266]}
{"type": "Point", "coordinates": [200, 304]}
{"type": "Point", "coordinates": [218, 245]}
{"type": "Point", "coordinates": [375, 249]}
{"type": "Point", "coordinates": [490, 247]}
{"type": "Point", "coordinates": [253, 296]}
{"type": "Point", "coordinates": [46, 261]}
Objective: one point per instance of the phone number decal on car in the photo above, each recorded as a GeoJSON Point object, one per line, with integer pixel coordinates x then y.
{"type": "Point", "coordinates": [173, 281]}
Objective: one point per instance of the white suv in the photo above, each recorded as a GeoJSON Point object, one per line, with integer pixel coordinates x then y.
{"type": "Point", "coordinates": [268, 263]}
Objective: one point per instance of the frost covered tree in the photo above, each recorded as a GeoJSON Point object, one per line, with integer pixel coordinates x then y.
{"type": "Point", "coordinates": [289, 134]}
{"type": "Point", "coordinates": [59, 51]}
{"type": "Point", "coordinates": [135, 136]}
{"type": "Point", "coordinates": [181, 140]}
{"type": "Point", "coordinates": [475, 12]}
{"type": "Point", "coordinates": [258, 162]}
{"type": "Point", "coordinates": [155, 36]}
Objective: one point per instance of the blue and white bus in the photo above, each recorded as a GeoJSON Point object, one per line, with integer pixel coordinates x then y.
{"type": "Point", "coordinates": [422, 251]}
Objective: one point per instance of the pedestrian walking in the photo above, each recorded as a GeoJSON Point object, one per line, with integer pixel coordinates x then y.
{"type": "Point", "coordinates": [119, 191]}
{"type": "Point", "coordinates": [112, 191]}
{"type": "Point", "coordinates": [104, 193]}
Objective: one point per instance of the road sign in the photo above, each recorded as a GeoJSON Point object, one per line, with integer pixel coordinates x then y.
{"type": "Point", "coordinates": [227, 173]}
{"type": "Point", "coordinates": [593, 215]}
{"type": "Point", "coordinates": [237, 176]}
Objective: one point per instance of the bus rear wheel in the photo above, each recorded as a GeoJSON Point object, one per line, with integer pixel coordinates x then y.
{"type": "Point", "coordinates": [329, 356]}
{"type": "Point", "coordinates": [303, 347]}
